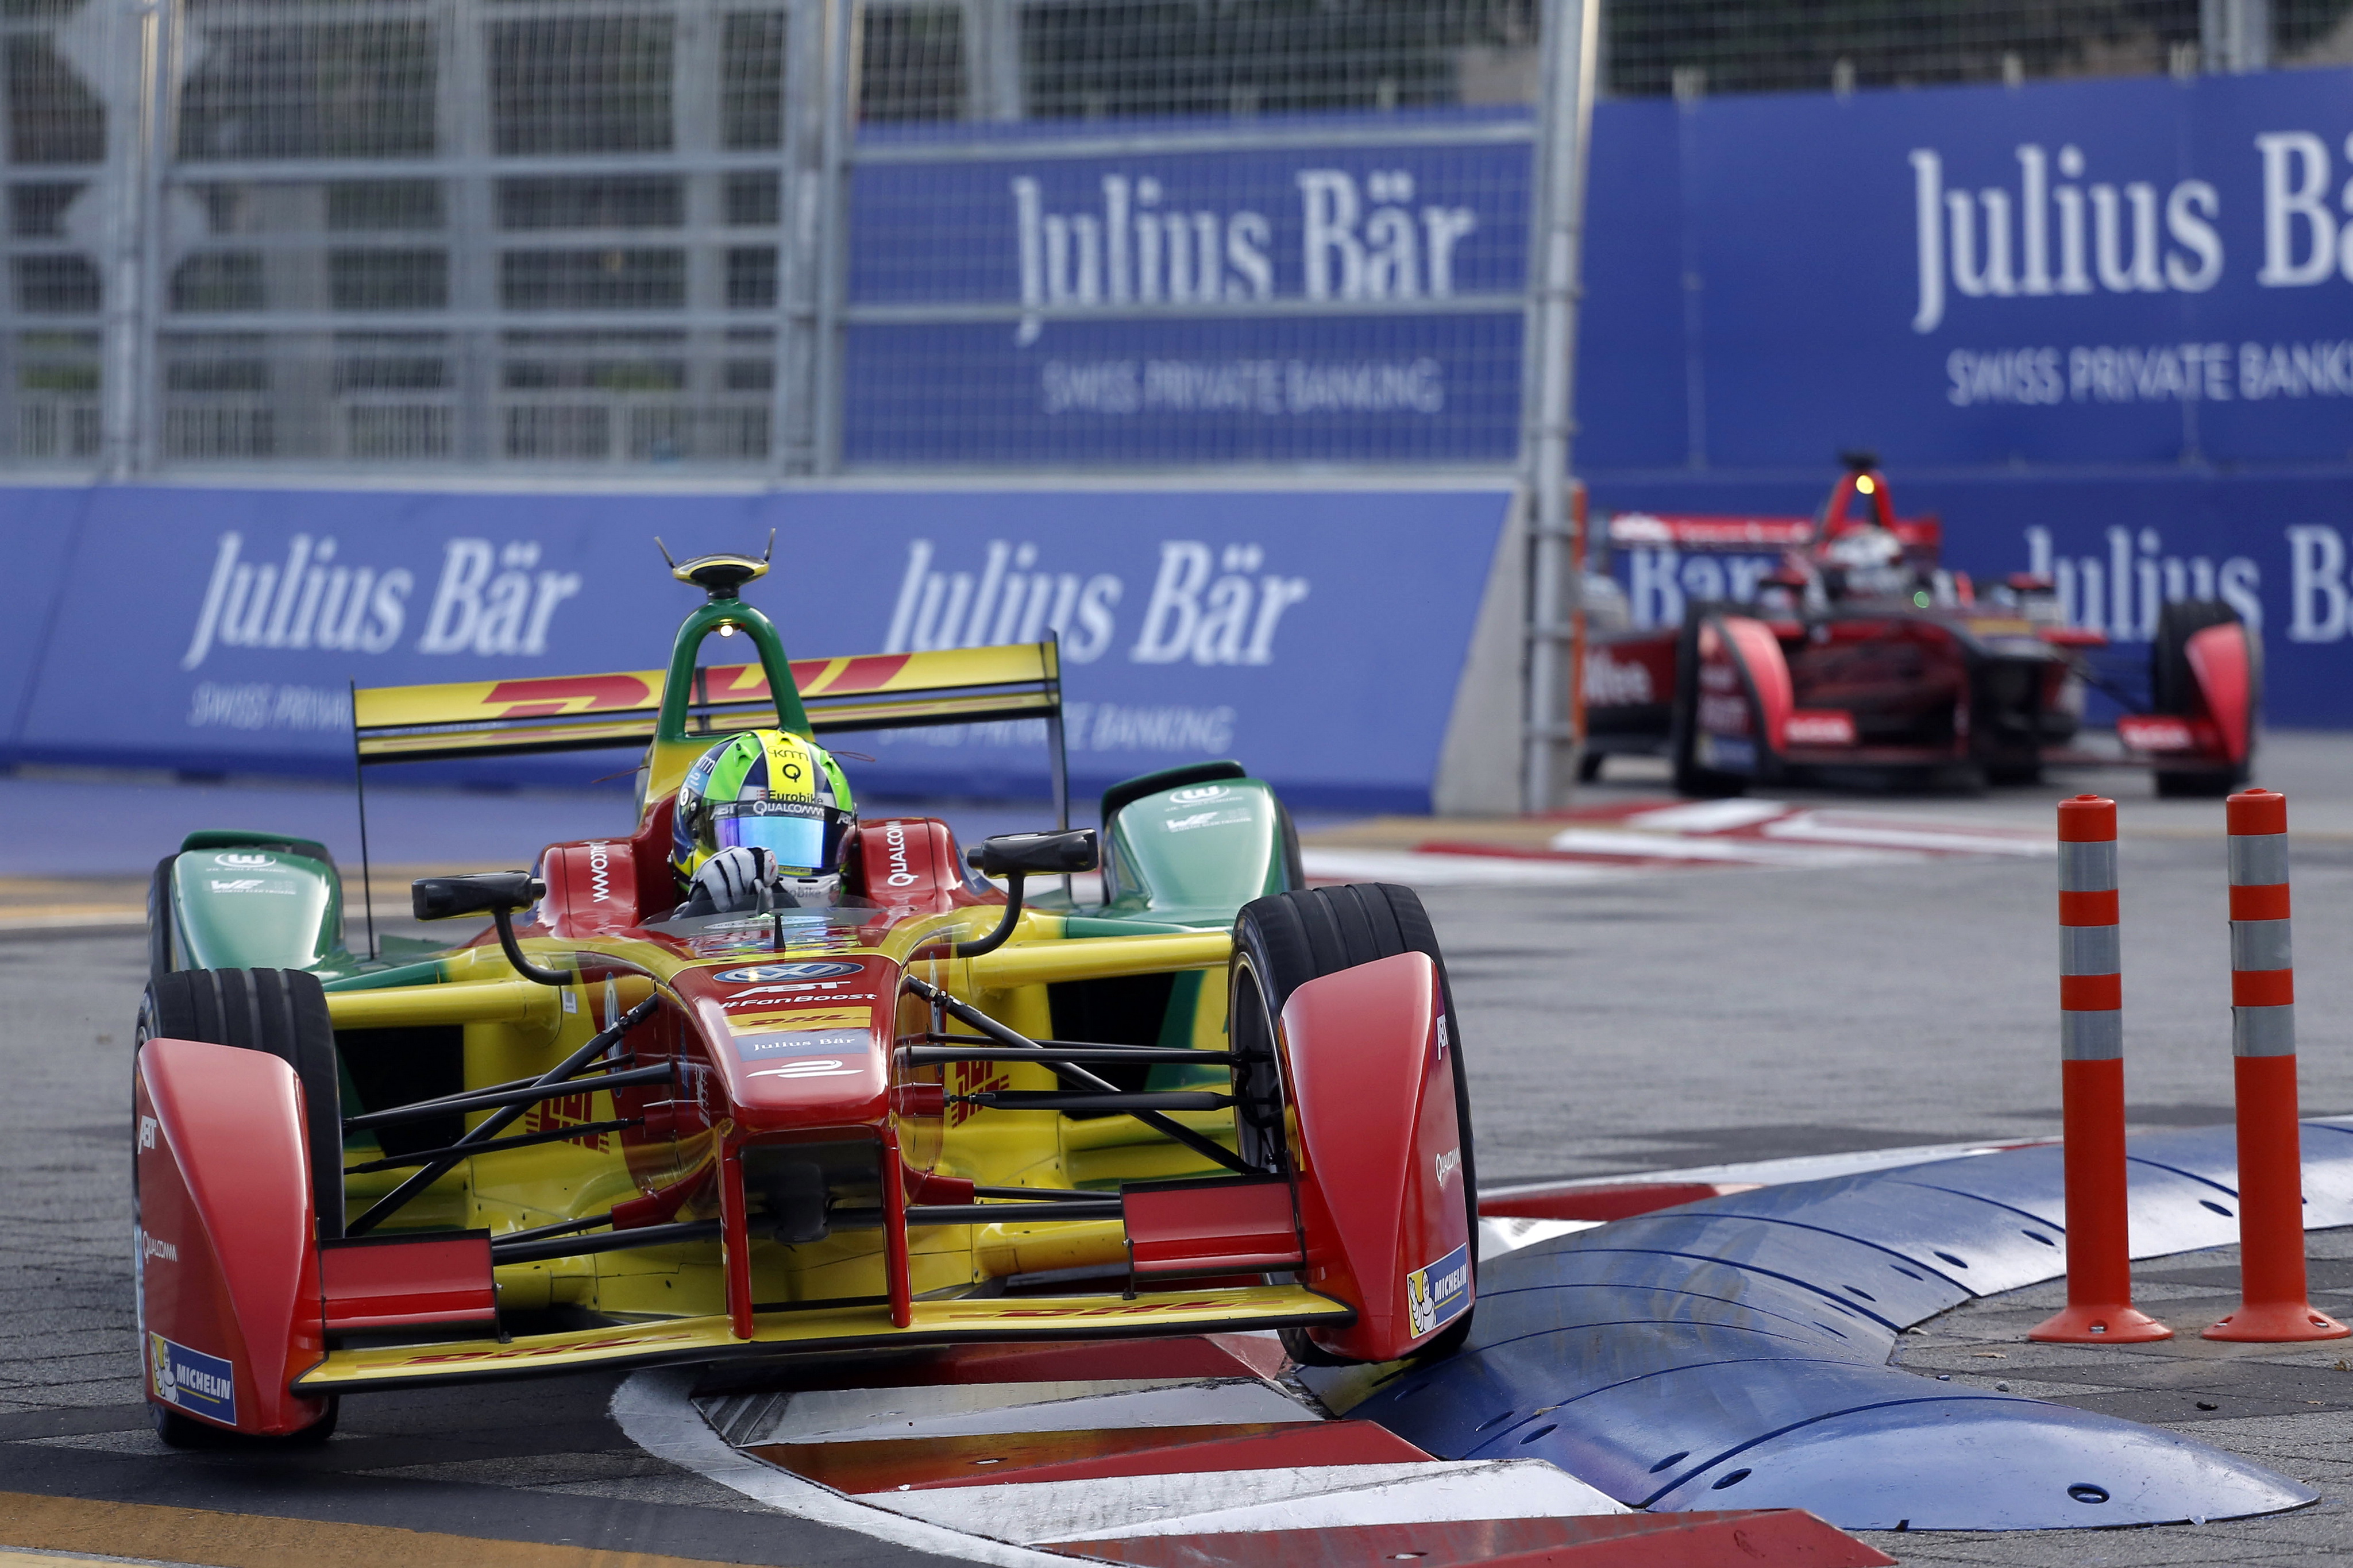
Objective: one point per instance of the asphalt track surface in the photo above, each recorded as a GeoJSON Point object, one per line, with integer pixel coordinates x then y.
{"type": "Point", "coordinates": [1675, 1019]}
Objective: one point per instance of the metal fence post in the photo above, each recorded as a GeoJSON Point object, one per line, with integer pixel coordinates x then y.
{"type": "Point", "coordinates": [802, 220]}
{"type": "Point", "coordinates": [843, 57]}
{"type": "Point", "coordinates": [130, 132]}
{"type": "Point", "coordinates": [1556, 234]}
{"type": "Point", "coordinates": [2236, 34]}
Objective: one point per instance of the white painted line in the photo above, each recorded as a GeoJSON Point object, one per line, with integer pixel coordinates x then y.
{"type": "Point", "coordinates": [653, 1411]}
{"type": "Point", "coordinates": [1509, 1232]}
{"type": "Point", "coordinates": [974, 1409]}
{"type": "Point", "coordinates": [1706, 815]}
{"type": "Point", "coordinates": [1776, 1172]}
{"type": "Point", "coordinates": [1732, 851]}
{"type": "Point", "coordinates": [1442, 870]}
{"type": "Point", "coordinates": [1318, 1497]}
{"type": "Point", "coordinates": [1897, 833]}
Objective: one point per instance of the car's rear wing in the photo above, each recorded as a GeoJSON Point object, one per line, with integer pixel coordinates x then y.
{"type": "Point", "coordinates": [1748, 535]}
{"type": "Point", "coordinates": [586, 713]}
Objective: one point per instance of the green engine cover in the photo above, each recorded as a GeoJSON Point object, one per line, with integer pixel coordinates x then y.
{"type": "Point", "coordinates": [253, 905]}
{"type": "Point", "coordinates": [1194, 853]}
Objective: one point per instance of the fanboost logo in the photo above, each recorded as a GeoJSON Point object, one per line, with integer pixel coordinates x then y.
{"type": "Point", "coordinates": [758, 973]}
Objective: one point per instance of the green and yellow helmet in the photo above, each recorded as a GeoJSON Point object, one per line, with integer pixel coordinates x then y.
{"type": "Point", "coordinates": [770, 790]}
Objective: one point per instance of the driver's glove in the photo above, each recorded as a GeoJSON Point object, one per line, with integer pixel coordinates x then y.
{"type": "Point", "coordinates": [734, 881]}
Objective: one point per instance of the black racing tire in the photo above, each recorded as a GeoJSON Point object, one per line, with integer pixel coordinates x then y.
{"type": "Point", "coordinates": [160, 955]}
{"type": "Point", "coordinates": [284, 1013]}
{"type": "Point", "coordinates": [1282, 942]}
{"type": "Point", "coordinates": [178, 1431]}
{"type": "Point", "coordinates": [1682, 724]}
{"type": "Point", "coordinates": [2173, 689]}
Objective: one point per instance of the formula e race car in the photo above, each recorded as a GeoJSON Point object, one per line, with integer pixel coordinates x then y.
{"type": "Point", "coordinates": [1843, 645]}
{"type": "Point", "coordinates": [601, 1133]}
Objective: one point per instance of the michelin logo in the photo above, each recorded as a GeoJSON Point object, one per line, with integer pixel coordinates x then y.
{"type": "Point", "coordinates": [1436, 1293]}
{"type": "Point", "coordinates": [199, 1383]}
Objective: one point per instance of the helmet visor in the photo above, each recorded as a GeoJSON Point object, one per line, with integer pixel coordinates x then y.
{"type": "Point", "coordinates": [803, 839]}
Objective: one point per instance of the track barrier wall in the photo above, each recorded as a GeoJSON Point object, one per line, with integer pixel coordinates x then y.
{"type": "Point", "coordinates": [1317, 635]}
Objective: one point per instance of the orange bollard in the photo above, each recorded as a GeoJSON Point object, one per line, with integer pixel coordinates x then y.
{"type": "Point", "coordinates": [2273, 1307]}
{"type": "Point", "coordinates": [2092, 1087]}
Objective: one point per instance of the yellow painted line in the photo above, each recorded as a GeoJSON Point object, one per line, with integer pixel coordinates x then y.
{"type": "Point", "coordinates": [68, 918]}
{"type": "Point", "coordinates": [146, 1532]}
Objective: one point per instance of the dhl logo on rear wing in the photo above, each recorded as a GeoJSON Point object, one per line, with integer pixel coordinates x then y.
{"type": "Point", "coordinates": [583, 712]}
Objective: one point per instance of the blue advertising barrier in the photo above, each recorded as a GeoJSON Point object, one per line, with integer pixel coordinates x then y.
{"type": "Point", "coordinates": [1343, 288]}
{"type": "Point", "coordinates": [2144, 271]}
{"type": "Point", "coordinates": [2119, 545]}
{"type": "Point", "coordinates": [1318, 635]}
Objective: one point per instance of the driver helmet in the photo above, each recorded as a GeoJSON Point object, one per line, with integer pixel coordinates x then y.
{"type": "Point", "coordinates": [771, 790]}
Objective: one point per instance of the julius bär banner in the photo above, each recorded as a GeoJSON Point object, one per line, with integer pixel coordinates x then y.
{"type": "Point", "coordinates": [1315, 636]}
{"type": "Point", "coordinates": [2118, 272]}
{"type": "Point", "coordinates": [1312, 288]}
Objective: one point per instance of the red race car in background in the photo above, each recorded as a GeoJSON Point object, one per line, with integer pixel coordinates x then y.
{"type": "Point", "coordinates": [1856, 650]}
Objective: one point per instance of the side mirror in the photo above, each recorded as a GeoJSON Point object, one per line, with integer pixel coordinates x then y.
{"type": "Point", "coordinates": [483, 893]}
{"type": "Point", "coordinates": [1034, 854]}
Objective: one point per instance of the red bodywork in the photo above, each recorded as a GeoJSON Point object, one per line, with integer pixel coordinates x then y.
{"type": "Point", "coordinates": [1802, 672]}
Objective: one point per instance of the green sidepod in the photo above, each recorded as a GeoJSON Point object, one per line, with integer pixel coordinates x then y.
{"type": "Point", "coordinates": [1194, 854]}
{"type": "Point", "coordinates": [256, 904]}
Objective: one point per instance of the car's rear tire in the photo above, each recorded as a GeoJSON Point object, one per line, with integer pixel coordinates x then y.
{"type": "Point", "coordinates": [1282, 941]}
{"type": "Point", "coordinates": [159, 918]}
{"type": "Point", "coordinates": [1682, 724]}
{"type": "Point", "coordinates": [284, 1013]}
{"type": "Point", "coordinates": [2173, 689]}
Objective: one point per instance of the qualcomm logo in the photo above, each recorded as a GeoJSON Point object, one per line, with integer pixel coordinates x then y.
{"type": "Point", "coordinates": [1138, 244]}
{"type": "Point", "coordinates": [487, 600]}
{"type": "Point", "coordinates": [1211, 608]}
{"type": "Point", "coordinates": [600, 872]}
{"type": "Point", "coordinates": [894, 847]}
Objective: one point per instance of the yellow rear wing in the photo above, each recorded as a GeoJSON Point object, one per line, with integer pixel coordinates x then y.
{"type": "Point", "coordinates": [540, 714]}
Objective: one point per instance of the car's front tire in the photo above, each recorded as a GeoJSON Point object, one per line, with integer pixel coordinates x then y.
{"type": "Point", "coordinates": [1284, 941]}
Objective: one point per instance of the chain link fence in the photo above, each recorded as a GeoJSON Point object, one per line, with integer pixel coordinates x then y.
{"type": "Point", "coordinates": [599, 235]}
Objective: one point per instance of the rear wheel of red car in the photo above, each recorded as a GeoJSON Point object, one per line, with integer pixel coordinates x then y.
{"type": "Point", "coordinates": [1282, 941]}
{"type": "Point", "coordinates": [284, 1013]}
{"type": "Point", "coordinates": [1682, 724]}
{"type": "Point", "coordinates": [2173, 689]}
{"type": "Point", "coordinates": [179, 1431]}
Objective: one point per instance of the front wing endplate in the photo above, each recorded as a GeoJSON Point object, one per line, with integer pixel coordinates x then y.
{"type": "Point", "coordinates": [999, 1319]}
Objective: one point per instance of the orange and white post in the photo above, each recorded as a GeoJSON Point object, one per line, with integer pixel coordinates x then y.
{"type": "Point", "coordinates": [2099, 1308]}
{"type": "Point", "coordinates": [2272, 1303]}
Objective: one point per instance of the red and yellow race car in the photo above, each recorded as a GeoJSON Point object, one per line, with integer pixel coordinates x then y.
{"type": "Point", "coordinates": [1843, 645]}
{"type": "Point", "coordinates": [601, 1132]}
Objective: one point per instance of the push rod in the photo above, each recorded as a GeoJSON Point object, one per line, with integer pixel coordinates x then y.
{"type": "Point", "coordinates": [620, 1240]}
{"type": "Point", "coordinates": [498, 1121]}
{"type": "Point", "coordinates": [450, 1154]}
{"type": "Point", "coordinates": [963, 1013]}
{"type": "Point", "coordinates": [1100, 1056]}
{"type": "Point", "coordinates": [1047, 1099]}
{"type": "Point", "coordinates": [488, 1099]}
{"type": "Point", "coordinates": [976, 1214]}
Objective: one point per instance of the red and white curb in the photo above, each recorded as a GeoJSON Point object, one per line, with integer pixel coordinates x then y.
{"type": "Point", "coordinates": [1637, 840]}
{"type": "Point", "coordinates": [1190, 1450]}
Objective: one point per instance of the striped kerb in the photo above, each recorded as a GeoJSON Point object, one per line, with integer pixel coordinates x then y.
{"type": "Point", "coordinates": [2091, 983]}
{"type": "Point", "coordinates": [2263, 965]}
